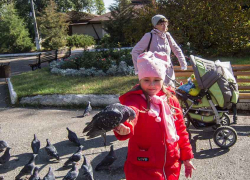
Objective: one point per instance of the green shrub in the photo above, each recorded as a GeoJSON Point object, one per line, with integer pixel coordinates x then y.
{"type": "Point", "coordinates": [77, 40]}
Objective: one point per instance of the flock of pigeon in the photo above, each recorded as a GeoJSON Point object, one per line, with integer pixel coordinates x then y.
{"type": "Point", "coordinates": [104, 121]}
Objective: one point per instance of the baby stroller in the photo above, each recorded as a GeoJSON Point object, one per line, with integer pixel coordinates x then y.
{"type": "Point", "coordinates": [206, 96]}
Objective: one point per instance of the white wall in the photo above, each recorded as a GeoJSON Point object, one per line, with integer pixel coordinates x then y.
{"type": "Point", "coordinates": [88, 30]}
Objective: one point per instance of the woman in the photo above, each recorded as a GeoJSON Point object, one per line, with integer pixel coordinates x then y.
{"type": "Point", "coordinates": [161, 41]}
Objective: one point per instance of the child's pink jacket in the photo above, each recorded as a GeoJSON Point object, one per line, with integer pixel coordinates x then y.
{"type": "Point", "coordinates": [149, 155]}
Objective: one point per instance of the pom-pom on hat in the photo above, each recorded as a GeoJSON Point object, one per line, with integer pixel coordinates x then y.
{"type": "Point", "coordinates": [152, 65]}
{"type": "Point", "coordinates": [155, 19]}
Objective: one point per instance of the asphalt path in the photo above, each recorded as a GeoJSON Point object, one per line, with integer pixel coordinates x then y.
{"type": "Point", "coordinates": [18, 125]}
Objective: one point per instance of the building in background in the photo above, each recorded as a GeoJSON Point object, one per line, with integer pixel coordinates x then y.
{"type": "Point", "coordinates": [91, 24]}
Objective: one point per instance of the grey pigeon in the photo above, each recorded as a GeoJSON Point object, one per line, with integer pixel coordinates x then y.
{"type": "Point", "coordinates": [35, 175]}
{"type": "Point", "coordinates": [35, 145]}
{"type": "Point", "coordinates": [3, 145]}
{"type": "Point", "coordinates": [6, 156]}
{"type": "Point", "coordinates": [107, 161]}
{"type": "Point", "coordinates": [28, 168]}
{"type": "Point", "coordinates": [50, 175]}
{"type": "Point", "coordinates": [73, 137]}
{"type": "Point", "coordinates": [87, 170]}
{"type": "Point", "coordinates": [76, 157]}
{"type": "Point", "coordinates": [72, 174]}
{"type": "Point", "coordinates": [51, 150]}
{"type": "Point", "coordinates": [87, 110]}
{"type": "Point", "coordinates": [107, 119]}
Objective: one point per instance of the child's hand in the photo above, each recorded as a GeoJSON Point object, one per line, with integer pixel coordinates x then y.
{"type": "Point", "coordinates": [122, 129]}
{"type": "Point", "coordinates": [189, 167]}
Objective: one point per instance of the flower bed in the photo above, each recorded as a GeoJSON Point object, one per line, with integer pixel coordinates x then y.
{"type": "Point", "coordinates": [109, 62]}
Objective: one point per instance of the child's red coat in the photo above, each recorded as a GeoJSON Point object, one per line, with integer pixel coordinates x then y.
{"type": "Point", "coordinates": [149, 155]}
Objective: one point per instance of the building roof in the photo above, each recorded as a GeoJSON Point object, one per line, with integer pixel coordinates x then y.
{"type": "Point", "coordinates": [75, 16]}
{"type": "Point", "coordinates": [100, 18]}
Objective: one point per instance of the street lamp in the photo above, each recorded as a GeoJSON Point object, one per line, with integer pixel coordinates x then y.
{"type": "Point", "coordinates": [37, 39]}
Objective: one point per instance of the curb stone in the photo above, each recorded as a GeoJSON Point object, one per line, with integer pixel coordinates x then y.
{"type": "Point", "coordinates": [82, 99]}
{"type": "Point", "coordinates": [13, 95]}
{"type": "Point", "coordinates": [70, 99]}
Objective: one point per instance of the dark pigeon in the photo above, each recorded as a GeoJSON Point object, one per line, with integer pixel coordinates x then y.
{"type": "Point", "coordinates": [3, 145]}
{"type": "Point", "coordinates": [87, 110]}
{"type": "Point", "coordinates": [108, 119]}
{"type": "Point", "coordinates": [6, 156]}
{"type": "Point", "coordinates": [28, 168]}
{"type": "Point", "coordinates": [51, 150]}
{"type": "Point", "coordinates": [73, 137]}
{"type": "Point", "coordinates": [35, 145]}
{"type": "Point", "coordinates": [35, 175]}
{"type": "Point", "coordinates": [76, 157]}
{"type": "Point", "coordinates": [72, 174]}
{"type": "Point", "coordinates": [87, 170]}
{"type": "Point", "coordinates": [107, 161]}
{"type": "Point", "coordinates": [50, 175]}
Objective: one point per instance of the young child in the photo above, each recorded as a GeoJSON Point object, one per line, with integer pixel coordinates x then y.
{"type": "Point", "coordinates": [158, 140]}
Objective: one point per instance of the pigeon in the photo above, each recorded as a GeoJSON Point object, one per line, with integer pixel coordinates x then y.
{"type": "Point", "coordinates": [50, 175]}
{"type": "Point", "coordinates": [3, 145]}
{"type": "Point", "coordinates": [72, 174]}
{"type": "Point", "coordinates": [107, 161]}
{"type": "Point", "coordinates": [35, 145]}
{"type": "Point", "coordinates": [73, 137]}
{"type": "Point", "coordinates": [35, 175]}
{"type": "Point", "coordinates": [77, 156]}
{"type": "Point", "coordinates": [107, 119]}
{"type": "Point", "coordinates": [87, 170]}
{"type": "Point", "coordinates": [87, 110]}
{"type": "Point", "coordinates": [6, 156]}
{"type": "Point", "coordinates": [51, 150]}
{"type": "Point", "coordinates": [28, 168]}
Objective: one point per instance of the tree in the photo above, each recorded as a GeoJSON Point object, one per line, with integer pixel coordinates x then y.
{"type": "Point", "coordinates": [14, 37]}
{"type": "Point", "coordinates": [121, 15]}
{"type": "Point", "coordinates": [212, 27]}
{"type": "Point", "coordinates": [53, 27]}
{"type": "Point", "coordinates": [100, 8]}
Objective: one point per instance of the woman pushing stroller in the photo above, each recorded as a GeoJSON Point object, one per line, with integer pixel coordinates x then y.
{"type": "Point", "coordinates": [159, 40]}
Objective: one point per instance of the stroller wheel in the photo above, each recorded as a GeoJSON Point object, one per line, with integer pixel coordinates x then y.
{"type": "Point", "coordinates": [225, 137]}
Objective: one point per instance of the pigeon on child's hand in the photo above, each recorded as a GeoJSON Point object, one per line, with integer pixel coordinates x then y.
{"type": "Point", "coordinates": [6, 156]}
{"type": "Point", "coordinates": [73, 137]}
{"type": "Point", "coordinates": [51, 150]}
{"type": "Point", "coordinates": [87, 110]}
{"type": "Point", "coordinates": [35, 175]}
{"type": "Point", "coordinates": [108, 119]}
{"type": "Point", "coordinates": [3, 145]}
{"type": "Point", "coordinates": [87, 170]}
{"type": "Point", "coordinates": [35, 145]}
{"type": "Point", "coordinates": [77, 156]}
{"type": "Point", "coordinates": [72, 174]}
{"type": "Point", "coordinates": [28, 168]}
{"type": "Point", "coordinates": [107, 161]}
{"type": "Point", "coordinates": [50, 175]}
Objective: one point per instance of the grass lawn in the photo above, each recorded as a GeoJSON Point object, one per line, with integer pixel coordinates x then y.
{"type": "Point", "coordinates": [41, 82]}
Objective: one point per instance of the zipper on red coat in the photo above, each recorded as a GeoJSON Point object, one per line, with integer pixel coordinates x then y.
{"type": "Point", "coordinates": [165, 157]}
